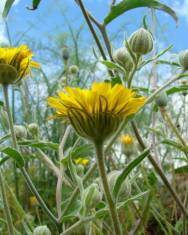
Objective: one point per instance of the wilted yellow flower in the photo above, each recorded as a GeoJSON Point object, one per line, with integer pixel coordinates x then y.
{"type": "Point", "coordinates": [33, 201]}
{"type": "Point", "coordinates": [126, 139]}
{"type": "Point", "coordinates": [96, 113]}
{"type": "Point", "coordinates": [19, 58]}
{"type": "Point", "coordinates": [81, 161]}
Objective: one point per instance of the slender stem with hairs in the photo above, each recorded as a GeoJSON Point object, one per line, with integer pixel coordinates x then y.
{"type": "Point", "coordinates": [6, 207]}
{"type": "Point", "coordinates": [170, 123]}
{"type": "Point", "coordinates": [106, 188]}
{"type": "Point", "coordinates": [160, 172]}
{"type": "Point", "coordinates": [93, 167]}
{"type": "Point", "coordinates": [23, 170]}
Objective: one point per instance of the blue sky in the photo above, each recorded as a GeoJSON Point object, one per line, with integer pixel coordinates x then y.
{"type": "Point", "coordinates": [45, 23]}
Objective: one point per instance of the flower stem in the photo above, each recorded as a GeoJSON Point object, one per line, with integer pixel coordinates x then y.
{"type": "Point", "coordinates": [23, 170]}
{"type": "Point", "coordinates": [172, 126]}
{"type": "Point", "coordinates": [175, 78]}
{"type": "Point", "coordinates": [6, 207]}
{"type": "Point", "coordinates": [160, 172]}
{"type": "Point", "coordinates": [107, 193]}
{"type": "Point", "coordinates": [93, 167]}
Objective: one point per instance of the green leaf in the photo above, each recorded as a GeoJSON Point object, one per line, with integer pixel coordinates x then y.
{"type": "Point", "coordinates": [40, 144]}
{"type": "Point", "coordinates": [181, 170]}
{"type": "Point", "coordinates": [177, 89]}
{"type": "Point", "coordinates": [171, 63]}
{"type": "Point", "coordinates": [13, 153]}
{"type": "Point", "coordinates": [156, 57]}
{"type": "Point", "coordinates": [2, 139]}
{"type": "Point", "coordinates": [3, 160]}
{"type": "Point", "coordinates": [111, 65]}
{"type": "Point", "coordinates": [35, 5]}
{"type": "Point", "coordinates": [116, 80]}
{"type": "Point", "coordinates": [121, 178]}
{"type": "Point", "coordinates": [175, 144]}
{"type": "Point", "coordinates": [104, 211]}
{"type": "Point", "coordinates": [7, 7]}
{"type": "Point", "coordinates": [1, 103]}
{"type": "Point", "coordinates": [126, 5]}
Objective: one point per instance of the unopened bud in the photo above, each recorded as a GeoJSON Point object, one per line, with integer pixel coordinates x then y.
{"type": "Point", "coordinates": [65, 53]}
{"type": "Point", "coordinates": [183, 59]}
{"type": "Point", "coordinates": [122, 57]}
{"type": "Point", "coordinates": [20, 131]}
{"type": "Point", "coordinates": [33, 129]}
{"type": "Point", "coordinates": [73, 69]}
{"type": "Point", "coordinates": [92, 195]}
{"type": "Point", "coordinates": [161, 99]}
{"type": "Point", "coordinates": [125, 187]}
{"type": "Point", "coordinates": [141, 42]}
{"type": "Point", "coordinates": [42, 230]}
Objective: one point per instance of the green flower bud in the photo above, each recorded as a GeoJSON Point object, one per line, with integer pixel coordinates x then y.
{"type": "Point", "coordinates": [141, 42]}
{"type": "Point", "coordinates": [92, 195]}
{"type": "Point", "coordinates": [161, 99]}
{"type": "Point", "coordinates": [65, 53]}
{"type": "Point", "coordinates": [125, 187]}
{"type": "Point", "coordinates": [73, 69]}
{"type": "Point", "coordinates": [8, 74]}
{"type": "Point", "coordinates": [80, 169]}
{"type": "Point", "coordinates": [20, 131]}
{"type": "Point", "coordinates": [33, 129]}
{"type": "Point", "coordinates": [183, 59]}
{"type": "Point", "coordinates": [42, 230]}
{"type": "Point", "coordinates": [122, 57]}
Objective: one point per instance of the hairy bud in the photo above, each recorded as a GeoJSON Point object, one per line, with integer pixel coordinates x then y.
{"type": "Point", "coordinates": [183, 59]}
{"type": "Point", "coordinates": [141, 42]}
{"type": "Point", "coordinates": [161, 99]}
{"type": "Point", "coordinates": [42, 230]}
{"type": "Point", "coordinates": [122, 57]}
{"type": "Point", "coordinates": [73, 69]}
{"type": "Point", "coordinates": [20, 131]}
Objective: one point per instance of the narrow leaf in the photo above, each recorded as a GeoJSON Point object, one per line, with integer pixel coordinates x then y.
{"type": "Point", "coordinates": [121, 178]}
{"type": "Point", "coordinates": [7, 7]}
{"type": "Point", "coordinates": [13, 153]}
{"type": "Point", "coordinates": [182, 169]}
{"type": "Point", "coordinates": [126, 5]}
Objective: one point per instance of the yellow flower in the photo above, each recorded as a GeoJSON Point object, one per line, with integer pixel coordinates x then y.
{"type": "Point", "coordinates": [126, 139]}
{"type": "Point", "coordinates": [19, 58]}
{"type": "Point", "coordinates": [81, 161]}
{"type": "Point", "coordinates": [33, 201]}
{"type": "Point", "coordinates": [96, 113]}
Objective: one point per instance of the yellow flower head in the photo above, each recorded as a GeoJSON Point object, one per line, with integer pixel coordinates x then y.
{"type": "Point", "coordinates": [19, 58]}
{"type": "Point", "coordinates": [81, 161]}
{"type": "Point", "coordinates": [97, 112]}
{"type": "Point", "coordinates": [126, 139]}
{"type": "Point", "coordinates": [33, 201]}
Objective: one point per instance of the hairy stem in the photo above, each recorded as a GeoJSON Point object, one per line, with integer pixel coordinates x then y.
{"type": "Point", "coordinates": [167, 118]}
{"type": "Point", "coordinates": [6, 207]}
{"type": "Point", "coordinates": [23, 170]}
{"type": "Point", "coordinates": [107, 193]}
{"type": "Point", "coordinates": [160, 173]}
{"type": "Point", "coordinates": [175, 78]}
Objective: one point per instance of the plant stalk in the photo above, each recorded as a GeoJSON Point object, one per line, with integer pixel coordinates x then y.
{"type": "Point", "coordinates": [6, 207]}
{"type": "Point", "coordinates": [107, 193]}
{"type": "Point", "coordinates": [23, 170]}
{"type": "Point", "coordinates": [160, 172]}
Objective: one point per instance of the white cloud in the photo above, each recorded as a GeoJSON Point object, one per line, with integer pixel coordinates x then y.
{"type": "Point", "coordinates": [181, 7]}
